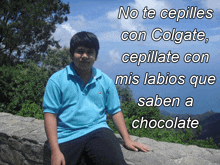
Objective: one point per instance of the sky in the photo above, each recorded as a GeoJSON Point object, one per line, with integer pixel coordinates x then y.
{"type": "Point", "coordinates": [101, 18]}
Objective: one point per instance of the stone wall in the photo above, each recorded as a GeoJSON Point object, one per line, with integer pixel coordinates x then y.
{"type": "Point", "coordinates": [23, 142]}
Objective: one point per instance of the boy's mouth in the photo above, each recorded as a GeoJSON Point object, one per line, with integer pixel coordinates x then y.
{"type": "Point", "coordinates": [85, 62]}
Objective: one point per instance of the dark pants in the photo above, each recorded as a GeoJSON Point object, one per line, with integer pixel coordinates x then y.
{"type": "Point", "coordinates": [99, 147]}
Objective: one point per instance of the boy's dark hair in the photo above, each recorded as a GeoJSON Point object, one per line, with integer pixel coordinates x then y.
{"type": "Point", "coordinates": [86, 39]}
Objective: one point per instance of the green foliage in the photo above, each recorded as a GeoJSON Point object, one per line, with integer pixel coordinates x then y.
{"type": "Point", "coordinates": [125, 94]}
{"type": "Point", "coordinates": [30, 109]}
{"type": "Point", "coordinates": [131, 109]}
{"type": "Point", "coordinates": [208, 143]}
{"type": "Point", "coordinates": [56, 59]}
{"type": "Point", "coordinates": [26, 28]}
{"type": "Point", "coordinates": [21, 83]}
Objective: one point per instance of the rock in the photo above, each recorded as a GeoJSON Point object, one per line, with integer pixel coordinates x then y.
{"type": "Point", "coordinates": [23, 141]}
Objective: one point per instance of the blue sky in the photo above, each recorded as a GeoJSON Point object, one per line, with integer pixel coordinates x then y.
{"type": "Point", "coordinates": [100, 17]}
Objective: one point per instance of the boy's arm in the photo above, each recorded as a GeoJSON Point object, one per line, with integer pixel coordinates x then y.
{"type": "Point", "coordinates": [119, 122]}
{"type": "Point", "coordinates": [50, 123]}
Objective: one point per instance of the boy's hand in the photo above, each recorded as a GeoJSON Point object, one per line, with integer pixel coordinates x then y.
{"type": "Point", "coordinates": [57, 158]}
{"type": "Point", "coordinates": [136, 146]}
{"type": "Point", "coordinates": [119, 122]}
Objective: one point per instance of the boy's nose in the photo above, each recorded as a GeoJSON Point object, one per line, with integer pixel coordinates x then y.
{"type": "Point", "coordinates": [84, 55]}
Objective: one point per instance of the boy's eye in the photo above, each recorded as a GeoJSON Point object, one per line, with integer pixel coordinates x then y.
{"type": "Point", "coordinates": [79, 51]}
{"type": "Point", "coordinates": [90, 52]}
{"type": "Point", "coordinates": [82, 51]}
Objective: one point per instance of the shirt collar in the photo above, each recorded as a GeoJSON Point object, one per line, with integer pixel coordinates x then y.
{"type": "Point", "coordinates": [71, 71]}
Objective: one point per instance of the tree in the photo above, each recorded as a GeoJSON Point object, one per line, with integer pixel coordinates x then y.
{"type": "Point", "coordinates": [26, 27]}
{"type": "Point", "coordinates": [56, 59]}
{"type": "Point", "coordinates": [131, 109]}
{"type": "Point", "coordinates": [21, 83]}
{"type": "Point", "coordinates": [125, 94]}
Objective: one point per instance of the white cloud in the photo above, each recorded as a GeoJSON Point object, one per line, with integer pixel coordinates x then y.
{"type": "Point", "coordinates": [151, 4]}
{"type": "Point", "coordinates": [124, 24]}
{"type": "Point", "coordinates": [114, 57]}
{"type": "Point", "coordinates": [68, 28]}
{"type": "Point", "coordinates": [78, 22]}
{"type": "Point", "coordinates": [112, 14]}
{"type": "Point", "coordinates": [214, 38]}
{"type": "Point", "coordinates": [135, 24]}
{"type": "Point", "coordinates": [65, 31]}
{"type": "Point", "coordinates": [212, 4]}
{"type": "Point", "coordinates": [112, 36]}
{"type": "Point", "coordinates": [217, 28]}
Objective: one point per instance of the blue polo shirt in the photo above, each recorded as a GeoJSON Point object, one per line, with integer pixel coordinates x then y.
{"type": "Point", "coordinates": [80, 109]}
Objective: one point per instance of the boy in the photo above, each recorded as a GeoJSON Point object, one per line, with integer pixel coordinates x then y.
{"type": "Point", "coordinates": [75, 104]}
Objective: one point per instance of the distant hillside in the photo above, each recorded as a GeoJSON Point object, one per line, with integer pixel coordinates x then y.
{"type": "Point", "coordinates": [211, 127]}
{"type": "Point", "coordinates": [165, 113]}
{"type": "Point", "coordinates": [200, 117]}
{"type": "Point", "coordinates": [210, 122]}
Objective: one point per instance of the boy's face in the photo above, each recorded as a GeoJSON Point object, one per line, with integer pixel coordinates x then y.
{"type": "Point", "coordinates": [84, 58]}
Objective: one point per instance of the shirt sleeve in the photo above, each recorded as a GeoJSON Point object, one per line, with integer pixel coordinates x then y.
{"type": "Point", "coordinates": [52, 98]}
{"type": "Point", "coordinates": [112, 100]}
